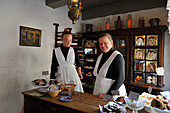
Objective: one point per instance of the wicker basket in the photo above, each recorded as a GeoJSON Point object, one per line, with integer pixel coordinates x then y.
{"type": "Point", "coordinates": [54, 93]}
{"type": "Point", "coordinates": [69, 87]}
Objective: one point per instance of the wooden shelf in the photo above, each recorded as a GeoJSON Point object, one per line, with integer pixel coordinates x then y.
{"type": "Point", "coordinates": [127, 35]}
{"type": "Point", "coordinates": [144, 85]}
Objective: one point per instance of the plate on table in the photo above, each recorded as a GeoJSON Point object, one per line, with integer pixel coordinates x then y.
{"type": "Point", "coordinates": [119, 100]}
{"type": "Point", "coordinates": [36, 94]}
{"type": "Point", "coordinates": [39, 83]}
{"type": "Point", "coordinates": [112, 107]}
{"type": "Point", "coordinates": [43, 89]}
{"type": "Point", "coordinates": [66, 98]}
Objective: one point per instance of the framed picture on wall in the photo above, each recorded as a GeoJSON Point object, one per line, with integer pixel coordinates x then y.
{"type": "Point", "coordinates": [30, 36]}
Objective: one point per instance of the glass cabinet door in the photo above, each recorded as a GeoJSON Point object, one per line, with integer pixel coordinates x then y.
{"type": "Point", "coordinates": [145, 59]}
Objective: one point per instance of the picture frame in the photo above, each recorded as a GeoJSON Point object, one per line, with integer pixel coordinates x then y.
{"type": "Point", "coordinates": [30, 36]}
{"type": "Point", "coordinates": [139, 77]}
{"type": "Point", "coordinates": [151, 66]}
{"type": "Point", "coordinates": [140, 40]}
{"type": "Point", "coordinates": [152, 40]}
{"type": "Point", "coordinates": [151, 54]}
{"type": "Point", "coordinates": [139, 54]}
{"type": "Point", "coordinates": [151, 78]}
{"type": "Point", "coordinates": [139, 65]}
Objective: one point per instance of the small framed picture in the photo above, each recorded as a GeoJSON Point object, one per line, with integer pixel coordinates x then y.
{"type": "Point", "coordinates": [30, 36]}
{"type": "Point", "coordinates": [151, 54]}
{"type": "Point", "coordinates": [140, 40]}
{"type": "Point", "coordinates": [139, 54]}
{"type": "Point", "coordinates": [152, 40]}
{"type": "Point", "coordinates": [151, 78]}
{"type": "Point", "coordinates": [139, 77]}
{"type": "Point", "coordinates": [151, 66]}
{"type": "Point", "coordinates": [139, 65]}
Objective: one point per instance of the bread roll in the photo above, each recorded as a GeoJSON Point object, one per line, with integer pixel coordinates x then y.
{"type": "Point", "coordinates": [157, 103]}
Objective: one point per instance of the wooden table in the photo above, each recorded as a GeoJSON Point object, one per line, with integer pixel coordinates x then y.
{"type": "Point", "coordinates": [82, 103]}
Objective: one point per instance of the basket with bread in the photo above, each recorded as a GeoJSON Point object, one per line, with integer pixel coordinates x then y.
{"type": "Point", "coordinates": [68, 88]}
{"type": "Point", "coordinates": [53, 90]}
{"type": "Point", "coordinates": [156, 104]}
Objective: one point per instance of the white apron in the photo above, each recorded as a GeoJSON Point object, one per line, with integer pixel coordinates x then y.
{"type": "Point", "coordinates": [67, 68]}
{"type": "Point", "coordinates": [103, 84]}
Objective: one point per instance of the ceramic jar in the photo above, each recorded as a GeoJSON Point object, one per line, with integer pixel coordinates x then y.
{"type": "Point", "coordinates": [129, 21]}
{"type": "Point", "coordinates": [108, 24]}
{"type": "Point", "coordinates": [154, 22]}
{"type": "Point", "coordinates": [99, 27]}
{"type": "Point", "coordinates": [141, 22]}
{"type": "Point", "coordinates": [89, 27]}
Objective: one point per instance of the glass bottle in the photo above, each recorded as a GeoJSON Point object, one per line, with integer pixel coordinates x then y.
{"type": "Point", "coordinates": [129, 21]}
{"type": "Point", "coordinates": [118, 24]}
{"type": "Point", "coordinates": [108, 24]}
{"type": "Point", "coordinates": [141, 22]}
{"type": "Point", "coordinates": [99, 27]}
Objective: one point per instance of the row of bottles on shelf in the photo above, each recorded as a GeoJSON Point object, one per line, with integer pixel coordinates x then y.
{"type": "Point", "coordinates": [118, 24]}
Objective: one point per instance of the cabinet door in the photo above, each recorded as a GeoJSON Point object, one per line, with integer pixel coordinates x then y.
{"type": "Point", "coordinates": [121, 43]}
{"type": "Point", "coordinates": [145, 58]}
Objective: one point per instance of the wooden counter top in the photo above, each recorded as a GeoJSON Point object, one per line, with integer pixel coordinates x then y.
{"type": "Point", "coordinates": [84, 102]}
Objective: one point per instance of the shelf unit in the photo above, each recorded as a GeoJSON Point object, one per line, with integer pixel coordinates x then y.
{"type": "Point", "coordinates": [90, 50]}
{"type": "Point", "coordinates": [124, 41]}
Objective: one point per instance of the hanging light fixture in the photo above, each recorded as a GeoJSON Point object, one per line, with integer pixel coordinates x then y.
{"type": "Point", "coordinates": [74, 10]}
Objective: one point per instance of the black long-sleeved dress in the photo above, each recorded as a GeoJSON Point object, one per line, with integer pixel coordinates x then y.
{"type": "Point", "coordinates": [116, 70]}
{"type": "Point", "coordinates": [55, 64]}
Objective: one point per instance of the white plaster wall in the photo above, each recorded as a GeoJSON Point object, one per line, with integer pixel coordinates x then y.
{"type": "Point", "coordinates": [160, 13]}
{"type": "Point", "coordinates": [21, 64]}
{"type": "Point", "coordinates": [167, 62]}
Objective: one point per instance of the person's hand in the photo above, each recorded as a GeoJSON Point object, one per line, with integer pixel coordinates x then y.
{"type": "Point", "coordinates": [101, 96]}
{"type": "Point", "coordinates": [79, 72]}
{"type": "Point", "coordinates": [81, 76]}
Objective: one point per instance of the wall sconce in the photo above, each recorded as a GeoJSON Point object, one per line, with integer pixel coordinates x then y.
{"type": "Point", "coordinates": [160, 72]}
{"type": "Point", "coordinates": [74, 10]}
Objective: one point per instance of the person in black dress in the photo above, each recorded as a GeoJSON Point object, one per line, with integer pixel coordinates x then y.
{"type": "Point", "coordinates": [65, 61]}
{"type": "Point", "coordinates": [113, 65]}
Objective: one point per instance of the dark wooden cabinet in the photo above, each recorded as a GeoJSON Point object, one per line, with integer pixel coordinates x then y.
{"type": "Point", "coordinates": [125, 41]}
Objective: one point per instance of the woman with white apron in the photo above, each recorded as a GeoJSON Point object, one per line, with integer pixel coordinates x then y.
{"type": "Point", "coordinates": [109, 69]}
{"type": "Point", "coordinates": [63, 68]}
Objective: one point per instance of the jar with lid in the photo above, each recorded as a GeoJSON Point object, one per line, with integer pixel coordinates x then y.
{"type": "Point", "coordinates": [129, 21]}
{"type": "Point", "coordinates": [108, 24]}
{"type": "Point", "coordinates": [89, 27]}
{"type": "Point", "coordinates": [141, 22]}
{"type": "Point", "coordinates": [99, 27]}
